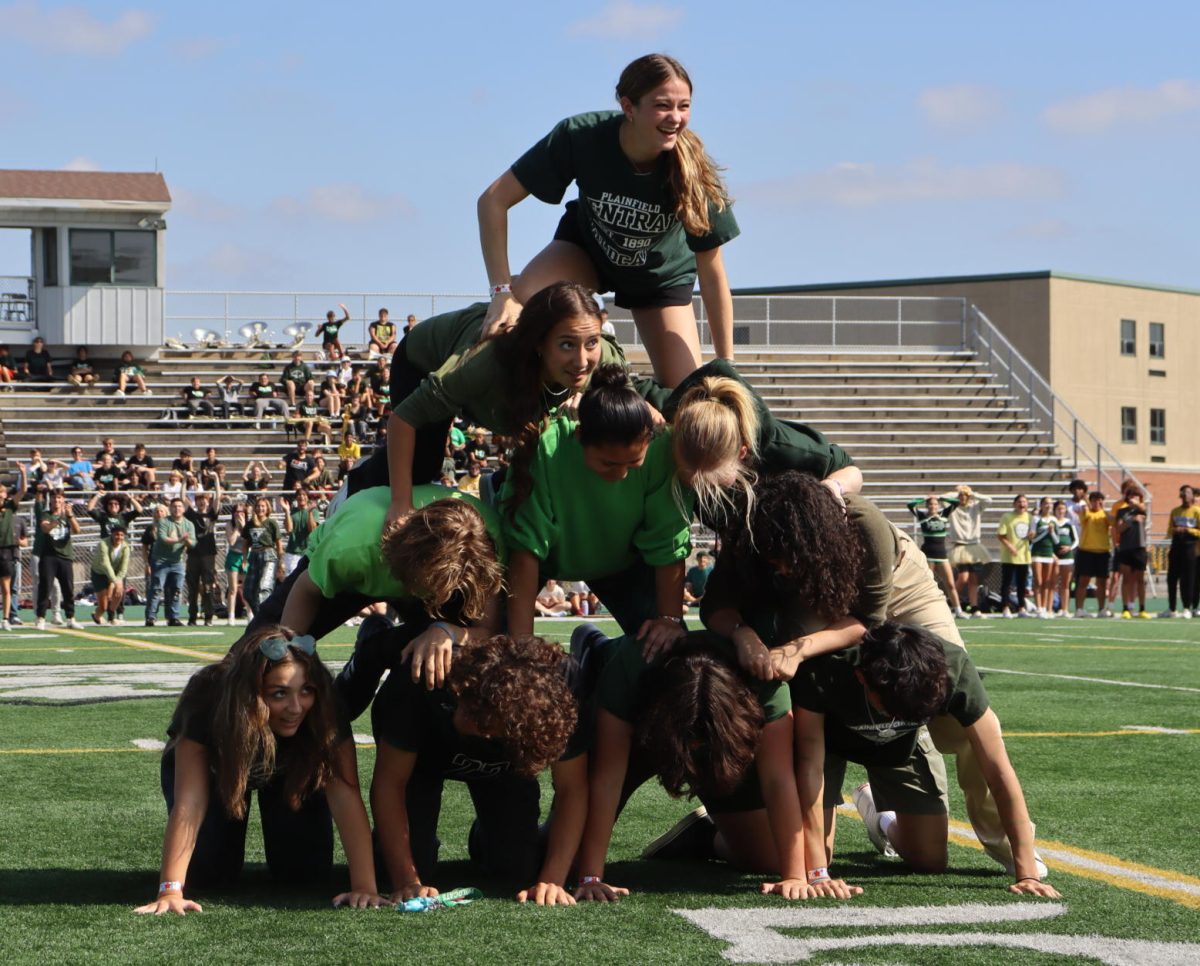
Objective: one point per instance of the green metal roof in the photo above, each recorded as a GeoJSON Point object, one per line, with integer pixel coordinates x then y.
{"type": "Point", "coordinates": [957, 279]}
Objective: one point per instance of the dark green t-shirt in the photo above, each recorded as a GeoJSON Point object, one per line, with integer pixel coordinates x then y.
{"type": "Point", "coordinates": [107, 522]}
{"type": "Point", "coordinates": [259, 391]}
{"type": "Point", "coordinates": [407, 716]}
{"type": "Point", "coordinates": [302, 526]}
{"type": "Point", "coordinates": [58, 541]}
{"type": "Point", "coordinates": [619, 691]}
{"type": "Point", "coordinates": [782, 443]}
{"type": "Point", "coordinates": [297, 372]}
{"type": "Point", "coordinates": [625, 218]}
{"type": "Point", "coordinates": [307, 410]}
{"type": "Point", "coordinates": [858, 731]}
{"type": "Point", "coordinates": [329, 331]}
{"type": "Point", "coordinates": [8, 530]}
{"type": "Point", "coordinates": [262, 536]}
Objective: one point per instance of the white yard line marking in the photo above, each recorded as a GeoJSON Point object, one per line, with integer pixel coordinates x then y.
{"type": "Point", "coordinates": [1076, 677]}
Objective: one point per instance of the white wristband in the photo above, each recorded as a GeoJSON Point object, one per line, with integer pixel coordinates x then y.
{"type": "Point", "coordinates": [502, 289]}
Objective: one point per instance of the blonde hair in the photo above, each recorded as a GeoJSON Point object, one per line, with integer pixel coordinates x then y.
{"type": "Point", "coordinates": [692, 174]}
{"type": "Point", "coordinates": [714, 420]}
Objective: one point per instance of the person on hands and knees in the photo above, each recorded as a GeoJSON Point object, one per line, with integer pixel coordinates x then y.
{"type": "Point", "coordinates": [870, 704]}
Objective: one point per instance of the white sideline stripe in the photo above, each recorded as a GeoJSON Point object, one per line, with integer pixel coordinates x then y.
{"type": "Point", "coordinates": [1156, 729]}
{"type": "Point", "coordinates": [149, 744]}
{"type": "Point", "coordinates": [1075, 677]}
{"type": "Point", "coordinates": [133, 632]}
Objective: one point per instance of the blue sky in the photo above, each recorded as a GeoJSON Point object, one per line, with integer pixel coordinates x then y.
{"type": "Point", "coordinates": [342, 147]}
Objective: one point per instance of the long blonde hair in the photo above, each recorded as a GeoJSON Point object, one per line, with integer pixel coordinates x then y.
{"type": "Point", "coordinates": [692, 174]}
{"type": "Point", "coordinates": [714, 420]}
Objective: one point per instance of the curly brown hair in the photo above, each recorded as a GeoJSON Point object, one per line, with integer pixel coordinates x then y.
{"type": "Point", "coordinates": [444, 551]}
{"type": "Point", "coordinates": [906, 667]}
{"type": "Point", "coordinates": [230, 692]}
{"type": "Point", "coordinates": [516, 689]}
{"type": "Point", "coordinates": [698, 722]}
{"type": "Point", "coordinates": [800, 543]}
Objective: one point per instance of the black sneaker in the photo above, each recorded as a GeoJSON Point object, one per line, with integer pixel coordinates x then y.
{"type": "Point", "coordinates": [149, 623]}
{"type": "Point", "coordinates": [692, 838]}
{"type": "Point", "coordinates": [175, 623]}
{"type": "Point", "coordinates": [191, 622]}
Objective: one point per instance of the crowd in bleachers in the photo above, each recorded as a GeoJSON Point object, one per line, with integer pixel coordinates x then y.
{"type": "Point", "coordinates": [137, 503]}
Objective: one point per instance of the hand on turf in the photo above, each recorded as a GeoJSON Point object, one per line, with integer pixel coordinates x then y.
{"type": "Point", "coordinates": [833, 889]}
{"type": "Point", "coordinates": [502, 315]}
{"type": "Point", "coordinates": [658, 635]}
{"type": "Point", "coordinates": [788, 888]}
{"type": "Point", "coordinates": [173, 902]}
{"type": "Point", "coordinates": [361, 900]}
{"type": "Point", "coordinates": [600, 892]}
{"type": "Point", "coordinates": [546, 894]}
{"type": "Point", "coordinates": [1034, 887]}
{"type": "Point", "coordinates": [752, 654]}
{"type": "Point", "coordinates": [431, 653]}
{"type": "Point", "coordinates": [413, 890]}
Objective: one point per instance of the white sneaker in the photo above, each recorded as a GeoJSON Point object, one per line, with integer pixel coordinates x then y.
{"type": "Point", "coordinates": [229, 622]}
{"type": "Point", "coordinates": [57, 619]}
{"type": "Point", "coordinates": [118, 622]}
{"type": "Point", "coordinates": [960, 614]}
{"type": "Point", "coordinates": [5, 626]}
{"type": "Point", "coordinates": [1165, 613]}
{"type": "Point", "coordinates": [1105, 613]}
{"type": "Point", "coordinates": [147, 392]}
{"type": "Point", "coordinates": [1024, 613]}
{"type": "Point", "coordinates": [40, 624]}
{"type": "Point", "coordinates": [864, 802]}
{"type": "Point", "coordinates": [74, 625]}
{"type": "Point", "coordinates": [977, 614]}
{"type": "Point", "coordinates": [1185, 614]}
{"type": "Point", "coordinates": [119, 392]}
{"type": "Point", "coordinates": [1007, 614]}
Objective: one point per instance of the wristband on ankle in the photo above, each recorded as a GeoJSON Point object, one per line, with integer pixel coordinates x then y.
{"type": "Point", "coordinates": [818, 875]}
{"type": "Point", "coordinates": [589, 880]}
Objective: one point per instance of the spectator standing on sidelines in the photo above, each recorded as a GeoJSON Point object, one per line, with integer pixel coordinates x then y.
{"type": "Point", "coordinates": [1066, 539]}
{"type": "Point", "coordinates": [1092, 557]}
{"type": "Point", "coordinates": [932, 515]}
{"type": "Point", "coordinates": [330, 343]}
{"type": "Point", "coordinates": [55, 528]}
{"type": "Point", "coordinates": [11, 542]}
{"type": "Point", "coordinates": [299, 522]}
{"type": "Point", "coordinates": [1183, 530]}
{"type": "Point", "coordinates": [1014, 532]}
{"type": "Point", "coordinates": [80, 373]}
{"type": "Point", "coordinates": [968, 555]}
{"type": "Point", "coordinates": [172, 535]}
{"type": "Point", "coordinates": [110, 567]}
{"type": "Point", "coordinates": [296, 465]}
{"type": "Point", "coordinates": [1042, 542]}
{"type": "Point", "coordinates": [129, 371]}
{"type": "Point", "coordinates": [296, 376]}
{"type": "Point", "coordinates": [200, 571]}
{"type": "Point", "coordinates": [235, 559]}
{"type": "Point", "coordinates": [1130, 527]}
{"type": "Point", "coordinates": [262, 543]}
{"type": "Point", "coordinates": [105, 509]}
{"type": "Point", "coordinates": [695, 581]}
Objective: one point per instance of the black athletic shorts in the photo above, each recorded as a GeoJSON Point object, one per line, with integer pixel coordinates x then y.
{"type": "Point", "coordinates": [1133, 559]}
{"type": "Point", "coordinates": [569, 231]}
{"type": "Point", "coordinates": [1091, 563]}
{"type": "Point", "coordinates": [8, 562]}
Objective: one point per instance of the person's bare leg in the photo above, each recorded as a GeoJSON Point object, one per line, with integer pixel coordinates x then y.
{"type": "Point", "coordinates": [920, 840]}
{"type": "Point", "coordinates": [942, 569]}
{"type": "Point", "coordinates": [560, 261]}
{"type": "Point", "coordinates": [672, 339]}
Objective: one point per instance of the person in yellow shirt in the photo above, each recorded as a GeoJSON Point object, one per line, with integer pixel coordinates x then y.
{"type": "Point", "coordinates": [1014, 532]}
{"type": "Point", "coordinates": [348, 451]}
{"type": "Point", "coordinates": [1092, 556]}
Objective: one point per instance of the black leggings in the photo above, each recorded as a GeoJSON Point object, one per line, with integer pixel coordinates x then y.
{"type": "Point", "coordinates": [1007, 574]}
{"type": "Point", "coordinates": [1181, 576]}
{"type": "Point", "coordinates": [50, 569]}
{"type": "Point", "coordinates": [200, 576]}
{"type": "Point", "coordinates": [298, 844]}
{"type": "Point", "coordinates": [430, 446]}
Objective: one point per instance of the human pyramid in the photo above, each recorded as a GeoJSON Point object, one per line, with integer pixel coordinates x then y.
{"type": "Point", "coordinates": [824, 640]}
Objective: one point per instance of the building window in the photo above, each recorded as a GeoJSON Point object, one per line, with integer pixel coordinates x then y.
{"type": "Point", "coordinates": [113, 257]}
{"type": "Point", "coordinates": [1158, 342]}
{"type": "Point", "coordinates": [49, 257]}
{"type": "Point", "coordinates": [1128, 337]}
{"type": "Point", "coordinates": [1158, 427]}
{"type": "Point", "coordinates": [1128, 424]}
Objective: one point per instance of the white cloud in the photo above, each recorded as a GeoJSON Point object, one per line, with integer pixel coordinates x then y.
{"type": "Point", "coordinates": [345, 202]}
{"type": "Point", "coordinates": [853, 184]}
{"type": "Point", "coordinates": [624, 19]}
{"type": "Point", "coordinates": [959, 105]}
{"type": "Point", "coordinates": [81, 163]}
{"type": "Point", "coordinates": [1097, 112]}
{"type": "Point", "coordinates": [73, 29]}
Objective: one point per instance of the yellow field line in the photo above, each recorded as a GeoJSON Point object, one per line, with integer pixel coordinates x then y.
{"type": "Point", "coordinates": [134, 642]}
{"type": "Point", "coordinates": [1162, 883]}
